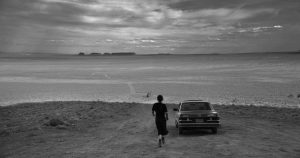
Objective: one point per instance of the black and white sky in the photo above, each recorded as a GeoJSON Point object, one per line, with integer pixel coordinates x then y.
{"type": "Point", "coordinates": [149, 26]}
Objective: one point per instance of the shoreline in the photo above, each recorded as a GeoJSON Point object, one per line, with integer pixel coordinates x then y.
{"type": "Point", "coordinates": [148, 102]}
{"type": "Point", "coordinates": [120, 129]}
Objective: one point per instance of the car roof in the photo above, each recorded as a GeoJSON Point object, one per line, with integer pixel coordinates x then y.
{"type": "Point", "coordinates": [197, 101]}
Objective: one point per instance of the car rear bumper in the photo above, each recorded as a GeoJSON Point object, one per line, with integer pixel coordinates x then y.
{"type": "Point", "coordinates": [199, 125]}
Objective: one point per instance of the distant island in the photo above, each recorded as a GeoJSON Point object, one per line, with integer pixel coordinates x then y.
{"type": "Point", "coordinates": [133, 53]}
{"type": "Point", "coordinates": [107, 54]}
{"type": "Point", "coordinates": [39, 55]}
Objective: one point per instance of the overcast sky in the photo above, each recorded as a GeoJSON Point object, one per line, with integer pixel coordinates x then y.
{"type": "Point", "coordinates": [149, 26]}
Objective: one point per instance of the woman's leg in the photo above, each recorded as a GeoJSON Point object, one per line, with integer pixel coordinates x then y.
{"type": "Point", "coordinates": [159, 131]}
{"type": "Point", "coordinates": [164, 131]}
{"type": "Point", "coordinates": [161, 126]}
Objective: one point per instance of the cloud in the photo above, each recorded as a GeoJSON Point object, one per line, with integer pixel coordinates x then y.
{"type": "Point", "coordinates": [260, 29]}
{"type": "Point", "coordinates": [121, 14]}
{"type": "Point", "coordinates": [155, 23]}
{"type": "Point", "coordinates": [223, 15]}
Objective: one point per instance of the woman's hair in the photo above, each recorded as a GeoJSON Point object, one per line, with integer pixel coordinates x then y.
{"type": "Point", "coordinates": [160, 98]}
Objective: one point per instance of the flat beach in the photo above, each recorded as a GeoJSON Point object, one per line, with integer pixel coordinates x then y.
{"type": "Point", "coordinates": [78, 78]}
{"type": "Point", "coordinates": [102, 129]}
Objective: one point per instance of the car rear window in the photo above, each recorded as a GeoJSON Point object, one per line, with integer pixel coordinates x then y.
{"type": "Point", "coordinates": [195, 106]}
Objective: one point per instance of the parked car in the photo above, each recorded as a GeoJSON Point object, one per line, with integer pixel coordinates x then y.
{"type": "Point", "coordinates": [192, 114]}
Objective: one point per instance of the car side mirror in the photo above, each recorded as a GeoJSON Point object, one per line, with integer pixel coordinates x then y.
{"type": "Point", "coordinates": [175, 109]}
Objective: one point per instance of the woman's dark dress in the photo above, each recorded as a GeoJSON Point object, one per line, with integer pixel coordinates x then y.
{"type": "Point", "coordinates": [160, 119]}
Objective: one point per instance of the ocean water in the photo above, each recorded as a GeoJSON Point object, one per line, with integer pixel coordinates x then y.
{"type": "Point", "coordinates": [250, 79]}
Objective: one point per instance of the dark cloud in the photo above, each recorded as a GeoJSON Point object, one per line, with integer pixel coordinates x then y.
{"type": "Point", "coordinates": [204, 4]}
{"type": "Point", "coordinates": [213, 23]}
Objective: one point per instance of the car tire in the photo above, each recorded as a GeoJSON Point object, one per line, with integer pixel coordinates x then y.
{"type": "Point", "coordinates": [180, 130]}
{"type": "Point", "coordinates": [214, 130]}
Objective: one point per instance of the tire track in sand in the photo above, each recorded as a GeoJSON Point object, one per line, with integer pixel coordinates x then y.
{"type": "Point", "coordinates": [131, 88]}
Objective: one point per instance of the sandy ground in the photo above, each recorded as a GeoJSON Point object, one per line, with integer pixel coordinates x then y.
{"type": "Point", "coordinates": [99, 129]}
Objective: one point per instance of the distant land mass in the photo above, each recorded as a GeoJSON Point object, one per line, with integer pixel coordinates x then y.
{"type": "Point", "coordinates": [107, 54]}
{"type": "Point", "coordinates": [65, 55]}
{"type": "Point", "coordinates": [133, 53]}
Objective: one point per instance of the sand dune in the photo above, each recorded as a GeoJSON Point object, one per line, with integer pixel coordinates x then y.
{"type": "Point", "coordinates": [99, 129]}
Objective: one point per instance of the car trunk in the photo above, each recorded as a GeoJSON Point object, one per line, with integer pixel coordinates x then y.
{"type": "Point", "coordinates": [198, 116]}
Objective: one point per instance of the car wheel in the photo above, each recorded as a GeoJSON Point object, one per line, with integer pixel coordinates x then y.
{"type": "Point", "coordinates": [180, 130]}
{"type": "Point", "coordinates": [176, 124]}
{"type": "Point", "coordinates": [214, 130]}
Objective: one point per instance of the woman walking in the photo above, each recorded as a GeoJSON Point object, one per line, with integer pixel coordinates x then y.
{"type": "Point", "coordinates": [159, 110]}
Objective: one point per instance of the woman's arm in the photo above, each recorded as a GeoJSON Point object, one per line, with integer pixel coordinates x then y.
{"type": "Point", "coordinates": [153, 110]}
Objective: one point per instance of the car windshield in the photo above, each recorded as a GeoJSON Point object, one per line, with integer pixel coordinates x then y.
{"type": "Point", "coordinates": [195, 106]}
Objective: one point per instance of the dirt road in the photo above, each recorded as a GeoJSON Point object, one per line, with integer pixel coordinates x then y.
{"type": "Point", "coordinates": [97, 129]}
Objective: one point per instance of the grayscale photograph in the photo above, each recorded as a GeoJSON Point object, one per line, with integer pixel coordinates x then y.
{"type": "Point", "coordinates": [149, 78]}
